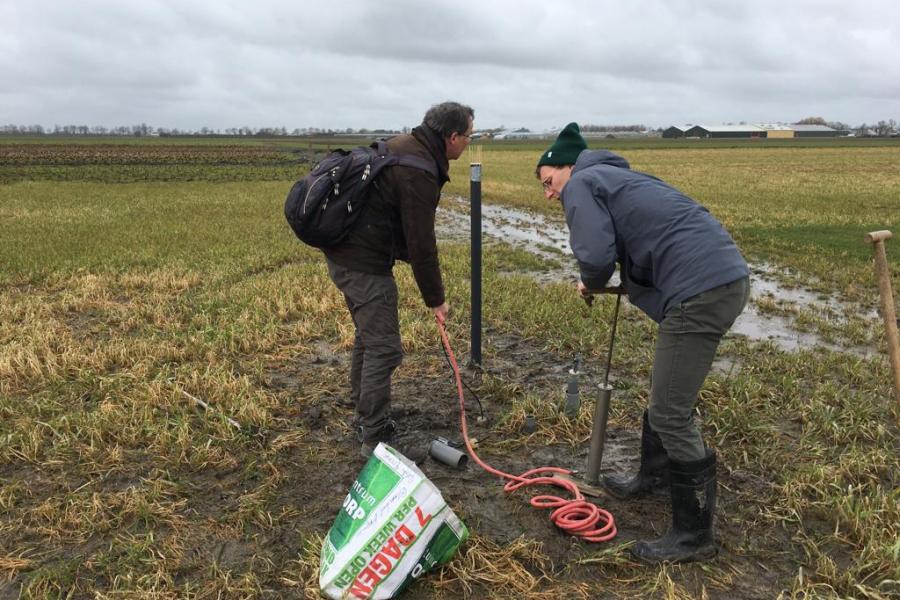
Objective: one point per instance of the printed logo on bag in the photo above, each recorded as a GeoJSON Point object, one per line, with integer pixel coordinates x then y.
{"type": "Point", "coordinates": [379, 557]}
{"type": "Point", "coordinates": [384, 562]}
{"type": "Point", "coordinates": [393, 527]}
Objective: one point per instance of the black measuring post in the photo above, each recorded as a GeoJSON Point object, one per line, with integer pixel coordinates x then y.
{"type": "Point", "coordinates": [475, 199]}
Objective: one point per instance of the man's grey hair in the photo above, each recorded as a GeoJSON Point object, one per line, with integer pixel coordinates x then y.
{"type": "Point", "coordinates": [448, 118]}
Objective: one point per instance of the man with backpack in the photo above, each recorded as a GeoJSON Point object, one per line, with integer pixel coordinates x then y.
{"type": "Point", "coordinates": [678, 265]}
{"type": "Point", "coordinates": [396, 223]}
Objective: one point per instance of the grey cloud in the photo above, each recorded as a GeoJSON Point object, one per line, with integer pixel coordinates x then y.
{"type": "Point", "coordinates": [358, 63]}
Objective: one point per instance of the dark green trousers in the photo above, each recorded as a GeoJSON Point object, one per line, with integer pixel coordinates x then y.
{"type": "Point", "coordinates": [688, 337]}
{"type": "Point", "coordinates": [377, 351]}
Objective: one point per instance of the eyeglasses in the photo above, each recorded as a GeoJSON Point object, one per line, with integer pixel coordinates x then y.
{"type": "Point", "coordinates": [547, 183]}
{"type": "Point", "coordinates": [468, 136]}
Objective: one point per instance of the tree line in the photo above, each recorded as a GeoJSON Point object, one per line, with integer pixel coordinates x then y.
{"type": "Point", "coordinates": [883, 128]}
{"type": "Point", "coordinates": [146, 130]}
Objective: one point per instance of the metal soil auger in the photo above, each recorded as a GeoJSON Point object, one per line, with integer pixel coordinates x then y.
{"type": "Point", "coordinates": [883, 275]}
{"type": "Point", "coordinates": [601, 411]}
{"type": "Point", "coordinates": [589, 485]}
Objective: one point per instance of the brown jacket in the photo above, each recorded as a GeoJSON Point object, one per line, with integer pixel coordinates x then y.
{"type": "Point", "coordinates": [398, 222]}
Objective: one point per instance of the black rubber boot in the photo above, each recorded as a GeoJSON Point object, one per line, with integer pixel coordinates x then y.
{"type": "Point", "coordinates": [387, 433]}
{"type": "Point", "coordinates": [693, 511]}
{"type": "Point", "coordinates": [652, 476]}
{"type": "Point", "coordinates": [372, 436]}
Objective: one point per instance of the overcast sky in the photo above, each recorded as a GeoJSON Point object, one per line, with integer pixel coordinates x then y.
{"type": "Point", "coordinates": [382, 63]}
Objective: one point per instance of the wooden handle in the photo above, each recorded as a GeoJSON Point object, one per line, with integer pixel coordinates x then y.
{"type": "Point", "coordinates": [883, 276]}
{"type": "Point", "coordinates": [878, 236]}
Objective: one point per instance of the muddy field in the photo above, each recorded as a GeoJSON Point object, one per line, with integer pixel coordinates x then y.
{"type": "Point", "coordinates": [751, 564]}
{"type": "Point", "coordinates": [115, 483]}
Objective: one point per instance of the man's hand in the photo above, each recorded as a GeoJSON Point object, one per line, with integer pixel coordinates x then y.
{"type": "Point", "coordinates": [441, 312]}
{"type": "Point", "coordinates": [582, 289]}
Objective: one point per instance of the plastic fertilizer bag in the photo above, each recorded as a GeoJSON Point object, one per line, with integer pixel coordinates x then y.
{"type": "Point", "coordinates": [393, 527]}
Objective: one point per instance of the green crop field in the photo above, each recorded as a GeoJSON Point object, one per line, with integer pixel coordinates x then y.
{"type": "Point", "coordinates": [137, 274]}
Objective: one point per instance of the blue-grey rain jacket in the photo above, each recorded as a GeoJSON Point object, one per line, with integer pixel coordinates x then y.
{"type": "Point", "coordinates": [669, 248]}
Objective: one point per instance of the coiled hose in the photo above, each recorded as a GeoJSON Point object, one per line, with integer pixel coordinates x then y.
{"type": "Point", "coordinates": [576, 516]}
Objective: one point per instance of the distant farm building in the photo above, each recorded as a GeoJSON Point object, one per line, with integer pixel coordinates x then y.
{"type": "Point", "coordinates": [814, 131]}
{"type": "Point", "coordinates": [675, 131]}
{"type": "Point", "coordinates": [725, 131]}
{"type": "Point", "coordinates": [763, 130]}
{"type": "Point", "coordinates": [614, 134]}
{"type": "Point", "coordinates": [777, 131]}
{"type": "Point", "coordinates": [549, 134]}
{"type": "Point", "coordinates": [524, 134]}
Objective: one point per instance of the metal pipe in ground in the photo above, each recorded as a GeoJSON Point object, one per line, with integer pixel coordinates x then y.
{"type": "Point", "coordinates": [443, 452]}
{"type": "Point", "coordinates": [475, 198]}
{"type": "Point", "coordinates": [601, 411]}
{"type": "Point", "coordinates": [598, 434]}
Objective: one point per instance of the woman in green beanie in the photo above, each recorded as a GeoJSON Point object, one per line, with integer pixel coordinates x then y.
{"type": "Point", "coordinates": [678, 265]}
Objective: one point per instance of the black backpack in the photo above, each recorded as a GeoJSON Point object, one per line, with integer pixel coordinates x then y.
{"type": "Point", "coordinates": [323, 207]}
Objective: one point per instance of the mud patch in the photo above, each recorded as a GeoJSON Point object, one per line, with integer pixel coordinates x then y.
{"type": "Point", "coordinates": [426, 406]}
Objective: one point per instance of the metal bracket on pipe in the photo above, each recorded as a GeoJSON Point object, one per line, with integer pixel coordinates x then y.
{"type": "Point", "coordinates": [584, 487]}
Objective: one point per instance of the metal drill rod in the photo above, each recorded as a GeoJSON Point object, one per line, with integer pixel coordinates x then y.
{"type": "Point", "coordinates": [612, 339]}
{"type": "Point", "coordinates": [601, 411]}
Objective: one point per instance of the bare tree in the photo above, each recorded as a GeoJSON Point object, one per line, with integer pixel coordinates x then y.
{"type": "Point", "coordinates": [883, 128]}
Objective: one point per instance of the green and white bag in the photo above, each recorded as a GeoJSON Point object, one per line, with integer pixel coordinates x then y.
{"type": "Point", "coordinates": [393, 527]}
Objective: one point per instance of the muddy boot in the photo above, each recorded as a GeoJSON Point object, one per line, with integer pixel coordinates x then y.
{"type": "Point", "coordinates": [652, 476]}
{"type": "Point", "coordinates": [387, 433]}
{"type": "Point", "coordinates": [372, 436]}
{"type": "Point", "coordinates": [693, 511]}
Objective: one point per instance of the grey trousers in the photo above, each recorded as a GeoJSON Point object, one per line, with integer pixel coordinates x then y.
{"type": "Point", "coordinates": [377, 351]}
{"type": "Point", "coordinates": [686, 344]}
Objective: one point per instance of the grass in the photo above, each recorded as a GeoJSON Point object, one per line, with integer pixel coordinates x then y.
{"type": "Point", "coordinates": [141, 227]}
{"type": "Point", "coordinates": [119, 299]}
{"type": "Point", "coordinates": [748, 187]}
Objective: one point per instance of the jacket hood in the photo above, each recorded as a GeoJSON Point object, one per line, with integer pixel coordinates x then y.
{"type": "Point", "coordinates": [435, 144]}
{"type": "Point", "coordinates": [590, 158]}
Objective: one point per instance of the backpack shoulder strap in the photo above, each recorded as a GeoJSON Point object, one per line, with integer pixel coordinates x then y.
{"type": "Point", "coordinates": [404, 160]}
{"type": "Point", "coordinates": [417, 162]}
{"type": "Point", "coordinates": [380, 147]}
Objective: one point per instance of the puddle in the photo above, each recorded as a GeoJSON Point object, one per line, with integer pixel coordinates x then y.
{"type": "Point", "coordinates": [549, 238]}
{"type": "Point", "coordinates": [532, 232]}
{"type": "Point", "coordinates": [778, 328]}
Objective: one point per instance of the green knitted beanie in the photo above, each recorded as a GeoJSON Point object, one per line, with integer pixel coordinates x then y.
{"type": "Point", "coordinates": [565, 149]}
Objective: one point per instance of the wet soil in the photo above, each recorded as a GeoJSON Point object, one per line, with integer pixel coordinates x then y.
{"type": "Point", "coordinates": [426, 407]}
{"type": "Point", "coordinates": [751, 563]}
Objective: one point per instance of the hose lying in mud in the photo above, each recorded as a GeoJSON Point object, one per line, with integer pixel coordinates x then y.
{"type": "Point", "coordinates": [576, 516]}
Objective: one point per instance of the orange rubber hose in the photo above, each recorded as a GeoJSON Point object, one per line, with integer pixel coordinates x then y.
{"type": "Point", "coordinates": [576, 516]}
